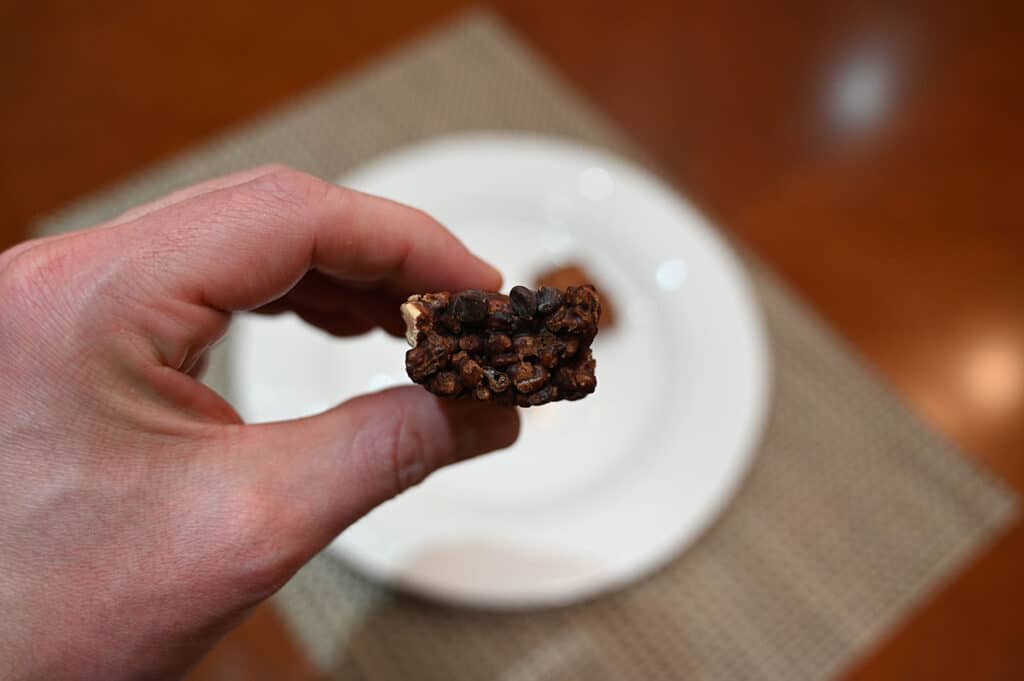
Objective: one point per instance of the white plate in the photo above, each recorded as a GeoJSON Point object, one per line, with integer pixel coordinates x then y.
{"type": "Point", "coordinates": [596, 493]}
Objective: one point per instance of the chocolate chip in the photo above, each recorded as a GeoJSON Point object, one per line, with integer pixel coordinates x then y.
{"type": "Point", "coordinates": [548, 299]}
{"type": "Point", "coordinates": [469, 306]}
{"type": "Point", "coordinates": [524, 302]}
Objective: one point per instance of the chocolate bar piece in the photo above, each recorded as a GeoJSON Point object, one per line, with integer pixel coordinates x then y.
{"type": "Point", "coordinates": [527, 348]}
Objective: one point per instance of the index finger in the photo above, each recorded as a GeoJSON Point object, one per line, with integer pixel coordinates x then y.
{"type": "Point", "coordinates": [246, 245]}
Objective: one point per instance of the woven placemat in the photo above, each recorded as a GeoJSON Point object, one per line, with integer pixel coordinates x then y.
{"type": "Point", "coordinates": [853, 511]}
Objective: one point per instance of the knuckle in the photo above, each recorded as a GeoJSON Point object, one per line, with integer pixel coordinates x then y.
{"type": "Point", "coordinates": [282, 194]}
{"type": "Point", "coordinates": [294, 188]}
{"type": "Point", "coordinates": [8, 256]}
{"type": "Point", "coordinates": [30, 272]}
{"type": "Point", "coordinates": [421, 217]}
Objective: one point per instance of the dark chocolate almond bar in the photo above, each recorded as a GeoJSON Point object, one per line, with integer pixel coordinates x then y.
{"type": "Point", "coordinates": [527, 348]}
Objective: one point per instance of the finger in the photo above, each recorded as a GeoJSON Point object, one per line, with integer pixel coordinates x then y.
{"type": "Point", "coordinates": [193, 191]}
{"type": "Point", "coordinates": [132, 214]}
{"type": "Point", "coordinates": [7, 257]}
{"type": "Point", "coordinates": [137, 212]}
{"type": "Point", "coordinates": [322, 473]}
{"type": "Point", "coordinates": [241, 247]}
{"type": "Point", "coordinates": [199, 366]}
{"type": "Point", "coordinates": [214, 184]}
{"type": "Point", "coordinates": [337, 323]}
{"type": "Point", "coordinates": [320, 297]}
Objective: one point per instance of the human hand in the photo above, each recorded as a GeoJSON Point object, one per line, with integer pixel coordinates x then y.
{"type": "Point", "coordinates": [139, 517]}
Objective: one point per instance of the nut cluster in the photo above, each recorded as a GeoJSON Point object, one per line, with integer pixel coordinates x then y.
{"type": "Point", "coordinates": [527, 348]}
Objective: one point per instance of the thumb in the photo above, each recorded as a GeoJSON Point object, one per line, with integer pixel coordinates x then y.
{"type": "Point", "coordinates": [316, 476]}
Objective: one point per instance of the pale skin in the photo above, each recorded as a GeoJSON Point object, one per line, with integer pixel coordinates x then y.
{"type": "Point", "coordinates": [140, 518]}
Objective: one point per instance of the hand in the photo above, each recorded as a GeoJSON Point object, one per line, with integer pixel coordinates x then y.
{"type": "Point", "coordinates": [139, 517]}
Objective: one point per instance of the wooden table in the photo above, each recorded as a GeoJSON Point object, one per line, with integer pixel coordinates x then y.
{"type": "Point", "coordinates": [871, 153]}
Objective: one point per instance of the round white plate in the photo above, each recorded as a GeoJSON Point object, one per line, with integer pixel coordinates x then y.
{"type": "Point", "coordinates": [596, 493]}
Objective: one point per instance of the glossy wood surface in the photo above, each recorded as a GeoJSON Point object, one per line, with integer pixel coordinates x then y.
{"type": "Point", "coordinates": [870, 152]}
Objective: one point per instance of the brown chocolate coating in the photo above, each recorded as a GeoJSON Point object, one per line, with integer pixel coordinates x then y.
{"type": "Point", "coordinates": [527, 348]}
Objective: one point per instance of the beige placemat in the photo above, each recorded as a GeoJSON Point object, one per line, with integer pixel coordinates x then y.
{"type": "Point", "coordinates": [852, 514]}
